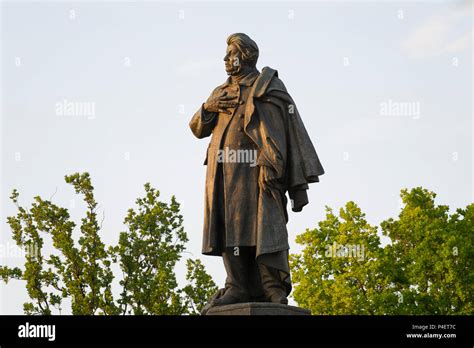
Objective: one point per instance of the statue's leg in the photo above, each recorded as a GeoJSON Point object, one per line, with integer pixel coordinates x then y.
{"type": "Point", "coordinates": [255, 287]}
{"type": "Point", "coordinates": [275, 276]}
{"type": "Point", "coordinates": [273, 284]}
{"type": "Point", "coordinates": [236, 285]}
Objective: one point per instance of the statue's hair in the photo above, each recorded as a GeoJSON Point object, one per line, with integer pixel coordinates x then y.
{"type": "Point", "coordinates": [246, 46]}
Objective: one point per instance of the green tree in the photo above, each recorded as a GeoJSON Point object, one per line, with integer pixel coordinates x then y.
{"type": "Point", "coordinates": [200, 287]}
{"type": "Point", "coordinates": [426, 268]}
{"type": "Point", "coordinates": [82, 271]}
{"type": "Point", "coordinates": [79, 272]}
{"type": "Point", "coordinates": [337, 270]}
{"type": "Point", "coordinates": [148, 253]}
{"type": "Point", "coordinates": [430, 259]}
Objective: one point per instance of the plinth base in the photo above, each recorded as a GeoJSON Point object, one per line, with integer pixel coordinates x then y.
{"type": "Point", "coordinates": [257, 308]}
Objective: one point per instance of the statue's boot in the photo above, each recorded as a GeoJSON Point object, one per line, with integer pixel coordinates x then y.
{"type": "Point", "coordinates": [273, 284]}
{"type": "Point", "coordinates": [209, 304]}
{"type": "Point", "coordinates": [256, 293]}
{"type": "Point", "coordinates": [277, 297]}
{"type": "Point", "coordinates": [237, 278]}
{"type": "Point", "coordinates": [228, 298]}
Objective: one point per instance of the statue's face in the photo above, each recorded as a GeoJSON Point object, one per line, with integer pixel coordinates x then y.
{"type": "Point", "coordinates": [233, 60]}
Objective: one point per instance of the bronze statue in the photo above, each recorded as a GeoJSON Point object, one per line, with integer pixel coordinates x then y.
{"type": "Point", "coordinates": [259, 150]}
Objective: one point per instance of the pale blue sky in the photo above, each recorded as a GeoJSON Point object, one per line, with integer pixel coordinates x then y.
{"type": "Point", "coordinates": [148, 66]}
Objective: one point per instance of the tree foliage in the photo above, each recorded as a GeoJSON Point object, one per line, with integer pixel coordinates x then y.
{"type": "Point", "coordinates": [426, 268]}
{"type": "Point", "coordinates": [82, 271]}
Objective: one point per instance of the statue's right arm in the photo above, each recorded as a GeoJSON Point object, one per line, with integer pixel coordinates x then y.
{"type": "Point", "coordinates": [203, 123]}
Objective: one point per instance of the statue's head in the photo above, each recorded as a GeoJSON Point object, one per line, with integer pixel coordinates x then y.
{"type": "Point", "coordinates": [242, 52]}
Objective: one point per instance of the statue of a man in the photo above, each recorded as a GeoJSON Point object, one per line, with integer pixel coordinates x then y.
{"type": "Point", "coordinates": [259, 151]}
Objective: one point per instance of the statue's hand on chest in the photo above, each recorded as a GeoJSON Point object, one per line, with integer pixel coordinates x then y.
{"type": "Point", "coordinates": [221, 102]}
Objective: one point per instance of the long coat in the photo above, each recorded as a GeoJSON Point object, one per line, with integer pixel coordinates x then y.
{"type": "Point", "coordinates": [286, 162]}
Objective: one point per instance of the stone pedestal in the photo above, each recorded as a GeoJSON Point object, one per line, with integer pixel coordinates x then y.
{"type": "Point", "coordinates": [257, 308]}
